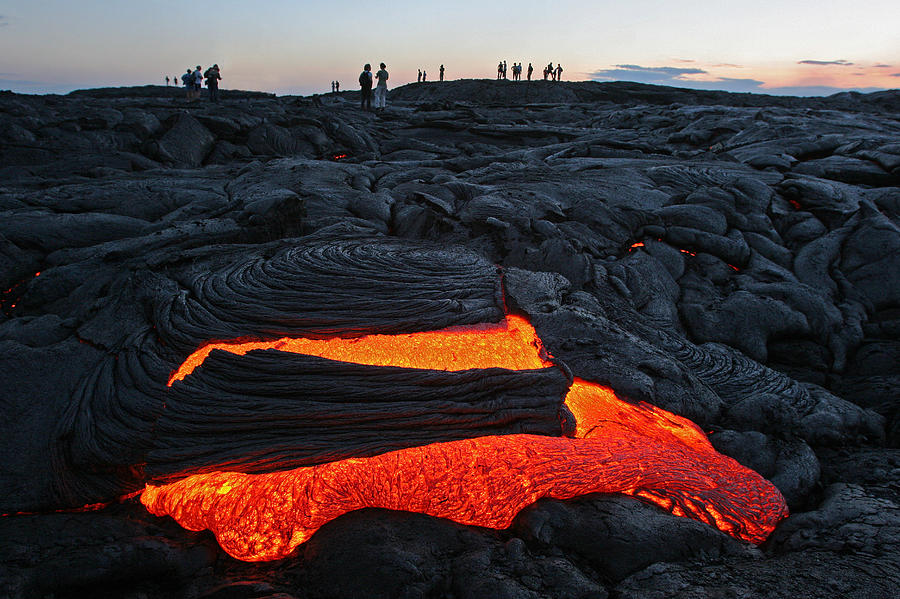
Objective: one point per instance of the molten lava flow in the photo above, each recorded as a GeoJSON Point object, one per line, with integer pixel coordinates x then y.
{"type": "Point", "coordinates": [512, 344]}
{"type": "Point", "coordinates": [637, 450]}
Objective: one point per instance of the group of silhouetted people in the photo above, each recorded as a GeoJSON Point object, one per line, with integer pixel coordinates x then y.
{"type": "Point", "coordinates": [423, 75]}
{"type": "Point", "coordinates": [553, 74]}
{"type": "Point", "coordinates": [549, 71]}
{"type": "Point", "coordinates": [335, 87]}
{"type": "Point", "coordinates": [193, 82]}
{"type": "Point", "coordinates": [365, 87]}
{"type": "Point", "coordinates": [516, 71]}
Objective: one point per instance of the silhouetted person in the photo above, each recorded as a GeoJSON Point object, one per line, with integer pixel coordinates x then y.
{"type": "Point", "coordinates": [188, 80]}
{"type": "Point", "coordinates": [504, 69]}
{"type": "Point", "coordinates": [198, 82]}
{"type": "Point", "coordinates": [442, 73]}
{"type": "Point", "coordinates": [337, 86]}
{"type": "Point", "coordinates": [530, 71]}
{"type": "Point", "coordinates": [500, 71]}
{"type": "Point", "coordinates": [424, 76]}
{"type": "Point", "coordinates": [167, 81]}
{"type": "Point", "coordinates": [559, 71]}
{"type": "Point", "coordinates": [365, 88]}
{"type": "Point", "coordinates": [419, 77]}
{"type": "Point", "coordinates": [332, 87]}
{"type": "Point", "coordinates": [212, 82]}
{"type": "Point", "coordinates": [381, 88]}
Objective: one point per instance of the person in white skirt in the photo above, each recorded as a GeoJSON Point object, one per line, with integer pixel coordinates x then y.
{"type": "Point", "coordinates": [381, 88]}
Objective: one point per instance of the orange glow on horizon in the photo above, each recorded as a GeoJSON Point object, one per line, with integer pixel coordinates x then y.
{"type": "Point", "coordinates": [636, 450]}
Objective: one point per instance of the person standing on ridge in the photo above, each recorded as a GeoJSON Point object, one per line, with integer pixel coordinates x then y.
{"type": "Point", "coordinates": [381, 88]}
{"type": "Point", "coordinates": [337, 86]}
{"type": "Point", "coordinates": [212, 82]}
{"type": "Point", "coordinates": [424, 76]}
{"type": "Point", "coordinates": [500, 71]}
{"type": "Point", "coordinates": [559, 71]}
{"type": "Point", "coordinates": [198, 82]}
{"type": "Point", "coordinates": [530, 71]}
{"type": "Point", "coordinates": [188, 80]}
{"type": "Point", "coordinates": [419, 77]}
{"type": "Point", "coordinates": [167, 81]}
{"type": "Point", "coordinates": [365, 88]}
{"type": "Point", "coordinates": [332, 87]}
{"type": "Point", "coordinates": [442, 73]}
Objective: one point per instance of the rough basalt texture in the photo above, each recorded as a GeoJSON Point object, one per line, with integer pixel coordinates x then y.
{"type": "Point", "coordinates": [763, 303]}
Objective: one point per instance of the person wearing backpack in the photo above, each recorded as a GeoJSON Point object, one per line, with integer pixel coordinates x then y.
{"type": "Point", "coordinates": [188, 80]}
{"type": "Point", "coordinates": [365, 88]}
{"type": "Point", "coordinates": [212, 82]}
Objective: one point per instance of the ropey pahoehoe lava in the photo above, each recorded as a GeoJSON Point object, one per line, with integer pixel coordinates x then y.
{"type": "Point", "coordinates": [613, 447]}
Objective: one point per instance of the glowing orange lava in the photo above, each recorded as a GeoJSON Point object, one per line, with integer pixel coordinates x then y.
{"type": "Point", "coordinates": [637, 450]}
{"type": "Point", "coordinates": [512, 344]}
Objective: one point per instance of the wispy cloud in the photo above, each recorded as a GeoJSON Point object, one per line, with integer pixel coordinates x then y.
{"type": "Point", "coordinates": [673, 76]}
{"type": "Point", "coordinates": [681, 77]}
{"type": "Point", "coordinates": [838, 63]}
{"type": "Point", "coordinates": [683, 60]}
{"type": "Point", "coordinates": [729, 65]}
{"type": "Point", "coordinates": [657, 75]}
{"type": "Point", "coordinates": [883, 66]}
{"type": "Point", "coordinates": [894, 75]}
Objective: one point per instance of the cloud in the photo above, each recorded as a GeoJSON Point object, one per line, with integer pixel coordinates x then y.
{"type": "Point", "coordinates": [839, 63]}
{"type": "Point", "coordinates": [729, 65]}
{"type": "Point", "coordinates": [894, 75]}
{"type": "Point", "coordinates": [655, 75]}
{"type": "Point", "coordinates": [883, 66]}
{"type": "Point", "coordinates": [661, 71]}
{"type": "Point", "coordinates": [683, 60]}
{"type": "Point", "coordinates": [676, 77]}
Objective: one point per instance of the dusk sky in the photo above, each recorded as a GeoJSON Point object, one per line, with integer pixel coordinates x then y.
{"type": "Point", "coordinates": [289, 47]}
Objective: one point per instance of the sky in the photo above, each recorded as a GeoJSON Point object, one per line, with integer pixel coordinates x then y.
{"type": "Point", "coordinates": [794, 47]}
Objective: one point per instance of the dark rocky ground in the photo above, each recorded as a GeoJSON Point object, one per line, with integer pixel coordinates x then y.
{"type": "Point", "coordinates": [156, 225]}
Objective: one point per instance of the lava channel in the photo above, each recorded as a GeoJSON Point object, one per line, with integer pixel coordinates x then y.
{"type": "Point", "coordinates": [638, 450]}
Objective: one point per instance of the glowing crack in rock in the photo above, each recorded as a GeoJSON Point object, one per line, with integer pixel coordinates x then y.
{"type": "Point", "coordinates": [637, 450]}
